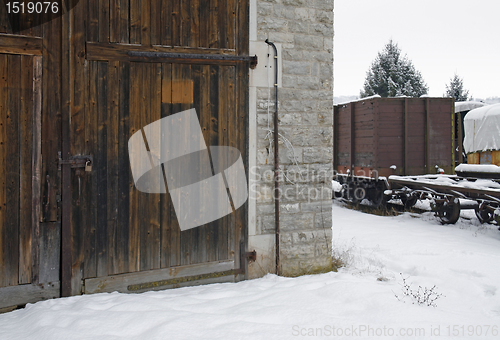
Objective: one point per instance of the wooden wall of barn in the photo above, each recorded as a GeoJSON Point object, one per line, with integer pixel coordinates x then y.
{"type": "Point", "coordinates": [94, 96]}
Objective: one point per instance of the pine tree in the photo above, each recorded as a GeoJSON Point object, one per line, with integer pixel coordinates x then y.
{"type": "Point", "coordinates": [456, 89]}
{"type": "Point", "coordinates": [392, 75]}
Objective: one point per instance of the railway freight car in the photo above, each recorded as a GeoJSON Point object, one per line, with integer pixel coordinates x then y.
{"type": "Point", "coordinates": [377, 137]}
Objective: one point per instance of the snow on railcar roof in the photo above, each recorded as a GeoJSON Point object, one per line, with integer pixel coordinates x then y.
{"type": "Point", "coordinates": [482, 129]}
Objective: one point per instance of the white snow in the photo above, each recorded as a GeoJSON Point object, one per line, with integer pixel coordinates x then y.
{"type": "Point", "coordinates": [482, 129]}
{"type": "Point", "coordinates": [489, 168]}
{"type": "Point", "coordinates": [360, 99]}
{"type": "Point", "coordinates": [336, 186]}
{"type": "Point", "coordinates": [493, 187]}
{"type": "Point", "coordinates": [467, 106]}
{"type": "Point", "coordinates": [462, 260]}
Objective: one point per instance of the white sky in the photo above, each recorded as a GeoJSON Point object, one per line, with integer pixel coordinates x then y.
{"type": "Point", "coordinates": [440, 37]}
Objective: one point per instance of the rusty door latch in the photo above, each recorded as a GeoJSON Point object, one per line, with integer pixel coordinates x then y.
{"type": "Point", "coordinates": [78, 161]}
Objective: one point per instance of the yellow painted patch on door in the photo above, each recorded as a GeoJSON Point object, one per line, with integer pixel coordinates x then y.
{"type": "Point", "coordinates": [178, 92]}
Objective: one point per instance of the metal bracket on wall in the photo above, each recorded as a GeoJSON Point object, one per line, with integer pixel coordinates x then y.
{"type": "Point", "coordinates": [251, 256]}
{"type": "Point", "coordinates": [79, 161]}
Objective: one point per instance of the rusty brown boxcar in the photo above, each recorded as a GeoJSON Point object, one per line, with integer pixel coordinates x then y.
{"type": "Point", "coordinates": [394, 136]}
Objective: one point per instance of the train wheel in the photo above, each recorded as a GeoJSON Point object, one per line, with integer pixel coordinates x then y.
{"type": "Point", "coordinates": [449, 212]}
{"type": "Point", "coordinates": [484, 215]}
{"type": "Point", "coordinates": [377, 197]}
{"type": "Point", "coordinates": [359, 194]}
{"type": "Point", "coordinates": [409, 201]}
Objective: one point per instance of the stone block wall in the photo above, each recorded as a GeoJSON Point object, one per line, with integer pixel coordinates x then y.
{"type": "Point", "coordinates": [303, 31]}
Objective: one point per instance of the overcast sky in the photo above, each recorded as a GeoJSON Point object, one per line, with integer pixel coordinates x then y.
{"type": "Point", "coordinates": [440, 37]}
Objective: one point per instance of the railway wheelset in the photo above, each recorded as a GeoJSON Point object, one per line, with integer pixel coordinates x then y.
{"type": "Point", "coordinates": [448, 194]}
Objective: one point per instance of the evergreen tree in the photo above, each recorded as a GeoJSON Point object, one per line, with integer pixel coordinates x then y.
{"type": "Point", "coordinates": [456, 89]}
{"type": "Point", "coordinates": [392, 75]}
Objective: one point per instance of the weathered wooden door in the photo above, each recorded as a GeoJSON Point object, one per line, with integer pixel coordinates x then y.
{"type": "Point", "coordinates": [109, 69]}
{"type": "Point", "coordinates": [144, 61]}
{"type": "Point", "coordinates": [21, 279]}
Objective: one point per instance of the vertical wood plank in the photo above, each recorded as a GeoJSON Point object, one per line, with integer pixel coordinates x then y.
{"type": "Point", "coordinates": [135, 21]}
{"type": "Point", "coordinates": [194, 40]}
{"type": "Point", "coordinates": [112, 166]}
{"type": "Point", "coordinates": [223, 23]}
{"type": "Point", "coordinates": [200, 103]}
{"type": "Point", "coordinates": [145, 227]}
{"type": "Point", "coordinates": [11, 241]}
{"type": "Point", "coordinates": [51, 124]}
{"type": "Point", "coordinates": [166, 23]}
{"type": "Point", "coordinates": [93, 20]}
{"type": "Point", "coordinates": [204, 23]}
{"type": "Point", "coordinates": [134, 199]}
{"type": "Point", "coordinates": [232, 121]}
{"type": "Point", "coordinates": [4, 20]}
{"type": "Point", "coordinates": [168, 222]}
{"type": "Point", "coordinates": [175, 22]}
{"type": "Point", "coordinates": [184, 238]}
{"type": "Point", "coordinates": [185, 23]}
{"type": "Point", "coordinates": [156, 29]}
{"type": "Point", "coordinates": [124, 177]}
{"type": "Point", "coordinates": [66, 173]}
{"type": "Point", "coordinates": [242, 32]}
{"type": "Point", "coordinates": [114, 20]}
{"type": "Point", "coordinates": [26, 157]}
{"type": "Point", "coordinates": [104, 22]}
{"type": "Point", "coordinates": [124, 21]}
{"type": "Point", "coordinates": [75, 84]}
{"type": "Point", "coordinates": [213, 37]}
{"type": "Point", "coordinates": [3, 159]}
{"type": "Point", "coordinates": [145, 22]}
{"type": "Point", "coordinates": [226, 108]}
{"type": "Point", "coordinates": [242, 145]}
{"type": "Point", "coordinates": [100, 169]}
{"type": "Point", "coordinates": [154, 199]}
{"type": "Point", "coordinates": [230, 40]}
{"type": "Point", "coordinates": [90, 265]}
{"type": "Point", "coordinates": [36, 168]}
{"type": "Point", "coordinates": [213, 139]}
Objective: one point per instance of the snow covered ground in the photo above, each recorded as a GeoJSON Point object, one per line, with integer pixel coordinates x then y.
{"type": "Point", "coordinates": [359, 301]}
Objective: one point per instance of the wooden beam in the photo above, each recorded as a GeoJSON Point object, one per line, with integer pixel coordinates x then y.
{"type": "Point", "coordinates": [157, 54]}
{"type": "Point", "coordinates": [159, 278]}
{"type": "Point", "coordinates": [16, 44]}
{"type": "Point", "coordinates": [22, 294]}
{"type": "Point", "coordinates": [110, 51]}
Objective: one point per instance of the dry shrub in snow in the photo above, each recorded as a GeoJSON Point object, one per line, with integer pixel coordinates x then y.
{"type": "Point", "coordinates": [421, 296]}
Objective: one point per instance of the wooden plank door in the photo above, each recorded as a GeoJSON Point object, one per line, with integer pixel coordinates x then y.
{"type": "Point", "coordinates": [20, 164]}
{"type": "Point", "coordinates": [128, 231]}
{"type": "Point", "coordinates": [119, 85]}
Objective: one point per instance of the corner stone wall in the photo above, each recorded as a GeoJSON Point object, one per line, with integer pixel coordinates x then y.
{"type": "Point", "coordinates": [303, 31]}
